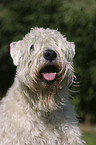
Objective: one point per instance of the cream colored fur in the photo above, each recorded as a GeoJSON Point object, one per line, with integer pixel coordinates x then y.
{"type": "Point", "coordinates": [34, 112]}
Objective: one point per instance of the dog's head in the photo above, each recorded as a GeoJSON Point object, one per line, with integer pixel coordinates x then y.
{"type": "Point", "coordinates": [44, 60]}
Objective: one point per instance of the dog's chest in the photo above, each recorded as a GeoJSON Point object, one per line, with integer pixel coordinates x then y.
{"type": "Point", "coordinates": [43, 128]}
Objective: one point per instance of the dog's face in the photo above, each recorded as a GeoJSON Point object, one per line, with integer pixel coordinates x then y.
{"type": "Point", "coordinates": [43, 59]}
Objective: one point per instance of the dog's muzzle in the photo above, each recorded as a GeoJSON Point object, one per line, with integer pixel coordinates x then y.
{"type": "Point", "coordinates": [48, 73]}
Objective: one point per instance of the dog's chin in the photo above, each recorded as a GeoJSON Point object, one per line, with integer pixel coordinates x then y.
{"type": "Point", "coordinates": [48, 74]}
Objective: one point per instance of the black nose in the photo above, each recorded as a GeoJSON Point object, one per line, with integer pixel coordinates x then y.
{"type": "Point", "coordinates": [50, 55]}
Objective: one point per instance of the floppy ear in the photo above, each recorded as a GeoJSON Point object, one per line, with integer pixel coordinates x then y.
{"type": "Point", "coordinates": [71, 50]}
{"type": "Point", "coordinates": [16, 51]}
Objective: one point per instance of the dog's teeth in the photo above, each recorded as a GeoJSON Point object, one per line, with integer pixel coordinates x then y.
{"type": "Point", "coordinates": [49, 76]}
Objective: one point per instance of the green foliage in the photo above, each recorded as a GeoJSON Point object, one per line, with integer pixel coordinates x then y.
{"type": "Point", "coordinates": [74, 18]}
{"type": "Point", "coordinates": [90, 138]}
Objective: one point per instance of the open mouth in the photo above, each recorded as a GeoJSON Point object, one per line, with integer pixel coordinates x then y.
{"type": "Point", "coordinates": [49, 73]}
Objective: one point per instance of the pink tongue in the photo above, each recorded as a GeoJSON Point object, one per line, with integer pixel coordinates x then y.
{"type": "Point", "coordinates": [49, 76]}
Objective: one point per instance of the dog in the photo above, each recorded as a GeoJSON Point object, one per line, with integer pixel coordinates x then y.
{"type": "Point", "coordinates": [36, 109]}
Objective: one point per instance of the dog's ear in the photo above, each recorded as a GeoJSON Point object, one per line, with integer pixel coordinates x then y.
{"type": "Point", "coordinates": [16, 51]}
{"type": "Point", "coordinates": [71, 50]}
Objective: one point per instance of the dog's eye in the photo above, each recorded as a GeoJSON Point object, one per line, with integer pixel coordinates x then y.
{"type": "Point", "coordinates": [32, 47]}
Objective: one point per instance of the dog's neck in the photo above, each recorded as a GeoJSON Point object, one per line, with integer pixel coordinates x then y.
{"type": "Point", "coordinates": [43, 101]}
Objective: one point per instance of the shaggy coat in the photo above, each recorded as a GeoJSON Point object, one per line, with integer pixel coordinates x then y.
{"type": "Point", "coordinates": [36, 109]}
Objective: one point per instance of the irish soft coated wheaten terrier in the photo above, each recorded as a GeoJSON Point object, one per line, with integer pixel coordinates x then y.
{"type": "Point", "coordinates": [37, 108]}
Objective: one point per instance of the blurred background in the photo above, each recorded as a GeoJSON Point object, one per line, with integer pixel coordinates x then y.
{"type": "Point", "coordinates": [74, 18]}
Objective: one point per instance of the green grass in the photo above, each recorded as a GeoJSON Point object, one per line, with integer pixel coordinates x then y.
{"type": "Point", "coordinates": [90, 137]}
